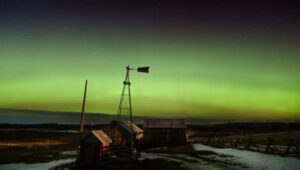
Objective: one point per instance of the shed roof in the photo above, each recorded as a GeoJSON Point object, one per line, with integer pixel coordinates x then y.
{"type": "Point", "coordinates": [126, 125]}
{"type": "Point", "coordinates": [164, 123]}
{"type": "Point", "coordinates": [102, 137]}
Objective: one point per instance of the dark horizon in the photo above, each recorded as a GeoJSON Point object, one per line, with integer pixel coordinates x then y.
{"type": "Point", "coordinates": [36, 117]}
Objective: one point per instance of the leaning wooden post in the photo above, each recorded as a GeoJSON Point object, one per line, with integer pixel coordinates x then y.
{"type": "Point", "coordinates": [83, 107]}
{"type": "Point", "coordinates": [81, 122]}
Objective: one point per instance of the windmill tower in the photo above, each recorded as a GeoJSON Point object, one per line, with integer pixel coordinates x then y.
{"type": "Point", "coordinates": [125, 105]}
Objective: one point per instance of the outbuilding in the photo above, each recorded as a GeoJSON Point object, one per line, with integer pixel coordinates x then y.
{"type": "Point", "coordinates": [93, 147]}
{"type": "Point", "coordinates": [123, 133]}
{"type": "Point", "coordinates": [164, 132]}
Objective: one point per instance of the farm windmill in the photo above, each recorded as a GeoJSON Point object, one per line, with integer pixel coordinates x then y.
{"type": "Point", "coordinates": [123, 107]}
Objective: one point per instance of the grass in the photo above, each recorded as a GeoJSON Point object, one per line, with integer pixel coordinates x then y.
{"type": "Point", "coordinates": [29, 144]}
{"type": "Point", "coordinates": [33, 155]}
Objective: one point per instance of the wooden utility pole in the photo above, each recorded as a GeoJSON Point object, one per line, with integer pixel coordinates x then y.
{"type": "Point", "coordinates": [83, 106]}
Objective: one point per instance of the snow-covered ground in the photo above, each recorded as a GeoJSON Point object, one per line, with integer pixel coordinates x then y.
{"type": "Point", "coordinates": [186, 161]}
{"type": "Point", "coordinates": [35, 166]}
{"type": "Point", "coordinates": [252, 160]}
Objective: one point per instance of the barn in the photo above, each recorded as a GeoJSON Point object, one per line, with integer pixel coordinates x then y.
{"type": "Point", "coordinates": [93, 147]}
{"type": "Point", "coordinates": [122, 133]}
{"type": "Point", "coordinates": [164, 132]}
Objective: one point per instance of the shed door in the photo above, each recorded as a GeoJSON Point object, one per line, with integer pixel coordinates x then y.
{"type": "Point", "coordinates": [90, 153]}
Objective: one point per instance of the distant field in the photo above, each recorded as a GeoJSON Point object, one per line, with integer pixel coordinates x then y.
{"type": "Point", "coordinates": [29, 144]}
{"type": "Point", "coordinates": [36, 146]}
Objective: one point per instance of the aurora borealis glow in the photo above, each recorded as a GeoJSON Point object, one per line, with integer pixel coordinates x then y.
{"type": "Point", "coordinates": [210, 60]}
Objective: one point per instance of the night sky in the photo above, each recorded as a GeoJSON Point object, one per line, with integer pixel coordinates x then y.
{"type": "Point", "coordinates": [216, 59]}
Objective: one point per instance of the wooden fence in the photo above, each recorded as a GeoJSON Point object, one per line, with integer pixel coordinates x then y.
{"type": "Point", "coordinates": [289, 147]}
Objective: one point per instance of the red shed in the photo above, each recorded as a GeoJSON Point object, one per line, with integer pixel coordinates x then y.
{"type": "Point", "coordinates": [93, 147]}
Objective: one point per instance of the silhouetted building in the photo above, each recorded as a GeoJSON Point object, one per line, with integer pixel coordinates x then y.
{"type": "Point", "coordinates": [93, 147]}
{"type": "Point", "coordinates": [123, 134]}
{"type": "Point", "coordinates": [164, 131]}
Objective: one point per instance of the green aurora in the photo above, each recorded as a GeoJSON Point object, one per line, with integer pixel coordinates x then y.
{"type": "Point", "coordinates": [188, 78]}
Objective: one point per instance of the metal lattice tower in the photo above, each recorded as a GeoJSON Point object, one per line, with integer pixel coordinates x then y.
{"type": "Point", "coordinates": [123, 106]}
{"type": "Point", "coordinates": [126, 86]}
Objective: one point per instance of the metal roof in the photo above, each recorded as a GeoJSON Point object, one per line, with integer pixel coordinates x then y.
{"type": "Point", "coordinates": [164, 123]}
{"type": "Point", "coordinates": [101, 136]}
{"type": "Point", "coordinates": [126, 125]}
